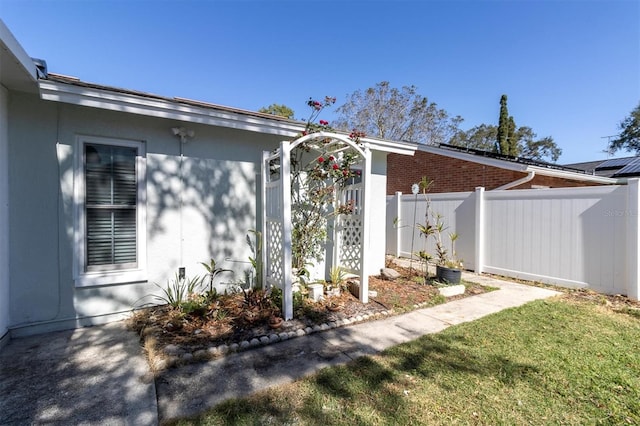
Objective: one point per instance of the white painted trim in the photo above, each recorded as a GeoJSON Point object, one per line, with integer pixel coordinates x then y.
{"type": "Point", "coordinates": [523, 168]}
{"type": "Point", "coordinates": [81, 277]}
{"type": "Point", "coordinates": [285, 212]}
{"type": "Point", "coordinates": [575, 176]}
{"type": "Point", "coordinates": [162, 108]}
{"type": "Point", "coordinates": [403, 148]}
{"type": "Point", "coordinates": [182, 110]}
{"type": "Point", "coordinates": [487, 161]}
{"type": "Point", "coordinates": [22, 58]}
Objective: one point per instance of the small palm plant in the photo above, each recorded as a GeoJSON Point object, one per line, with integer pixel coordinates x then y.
{"type": "Point", "coordinates": [212, 272]}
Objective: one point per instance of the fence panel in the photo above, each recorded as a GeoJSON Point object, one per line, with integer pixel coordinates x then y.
{"type": "Point", "coordinates": [575, 237]}
{"type": "Point", "coordinates": [457, 210]}
{"type": "Point", "coordinates": [563, 236]}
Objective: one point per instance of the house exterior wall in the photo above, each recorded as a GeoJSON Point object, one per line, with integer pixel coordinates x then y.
{"type": "Point", "coordinates": [206, 213]}
{"type": "Point", "coordinates": [218, 195]}
{"type": "Point", "coordinates": [455, 175]}
{"type": "Point", "coordinates": [377, 213]}
{"type": "Point", "coordinates": [4, 213]}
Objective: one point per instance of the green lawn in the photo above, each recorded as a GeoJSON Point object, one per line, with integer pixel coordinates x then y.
{"type": "Point", "coordinates": [548, 362]}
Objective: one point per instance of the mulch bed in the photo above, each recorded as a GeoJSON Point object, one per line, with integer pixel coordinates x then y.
{"type": "Point", "coordinates": [168, 334]}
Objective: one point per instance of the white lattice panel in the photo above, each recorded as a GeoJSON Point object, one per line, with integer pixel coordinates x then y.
{"type": "Point", "coordinates": [350, 243]}
{"type": "Point", "coordinates": [274, 265]}
{"type": "Point", "coordinates": [349, 230]}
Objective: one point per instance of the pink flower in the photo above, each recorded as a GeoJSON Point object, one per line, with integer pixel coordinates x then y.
{"type": "Point", "coordinates": [345, 173]}
{"type": "Point", "coordinates": [320, 160]}
{"type": "Point", "coordinates": [324, 122]}
{"type": "Point", "coordinates": [331, 158]}
{"type": "Point", "coordinates": [336, 167]}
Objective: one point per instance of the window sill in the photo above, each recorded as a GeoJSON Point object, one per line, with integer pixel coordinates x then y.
{"type": "Point", "coordinates": [91, 279]}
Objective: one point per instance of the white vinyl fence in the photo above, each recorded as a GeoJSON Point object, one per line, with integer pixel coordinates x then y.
{"type": "Point", "coordinates": [574, 237]}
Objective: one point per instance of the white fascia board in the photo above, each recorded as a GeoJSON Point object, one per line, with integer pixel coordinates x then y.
{"type": "Point", "coordinates": [175, 110]}
{"type": "Point", "coordinates": [487, 161]}
{"type": "Point", "coordinates": [524, 168]}
{"type": "Point", "coordinates": [403, 148]}
{"type": "Point", "coordinates": [161, 108]}
{"type": "Point", "coordinates": [16, 53]}
{"type": "Point", "coordinates": [565, 174]}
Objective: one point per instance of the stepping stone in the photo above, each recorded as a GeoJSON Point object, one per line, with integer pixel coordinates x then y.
{"type": "Point", "coordinates": [389, 274]}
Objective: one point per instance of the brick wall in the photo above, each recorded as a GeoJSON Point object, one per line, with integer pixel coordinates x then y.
{"type": "Point", "coordinates": [454, 175]}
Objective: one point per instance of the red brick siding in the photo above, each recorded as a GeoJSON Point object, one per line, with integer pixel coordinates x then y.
{"type": "Point", "coordinates": [454, 175]}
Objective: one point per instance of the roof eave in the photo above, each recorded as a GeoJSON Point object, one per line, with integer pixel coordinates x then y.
{"type": "Point", "coordinates": [575, 176]}
{"type": "Point", "coordinates": [188, 111]}
{"type": "Point", "coordinates": [392, 147]}
{"type": "Point", "coordinates": [17, 69]}
{"type": "Point", "coordinates": [162, 108]}
{"type": "Point", "coordinates": [487, 161]}
{"type": "Point", "coordinates": [524, 168]}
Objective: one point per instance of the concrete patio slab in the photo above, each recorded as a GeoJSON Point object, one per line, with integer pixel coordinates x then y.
{"type": "Point", "coordinates": [96, 376]}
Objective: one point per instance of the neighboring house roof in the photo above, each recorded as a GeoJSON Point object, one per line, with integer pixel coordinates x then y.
{"type": "Point", "coordinates": [60, 88]}
{"type": "Point", "coordinates": [524, 165]}
{"type": "Point", "coordinates": [614, 167]}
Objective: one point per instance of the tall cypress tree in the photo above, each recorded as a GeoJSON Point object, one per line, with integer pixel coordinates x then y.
{"type": "Point", "coordinates": [513, 147]}
{"type": "Point", "coordinates": [507, 140]}
{"type": "Point", "coordinates": [503, 127]}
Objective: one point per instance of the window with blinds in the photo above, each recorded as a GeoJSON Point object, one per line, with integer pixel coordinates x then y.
{"type": "Point", "coordinates": [110, 207]}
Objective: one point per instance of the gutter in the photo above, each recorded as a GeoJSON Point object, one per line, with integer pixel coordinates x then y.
{"type": "Point", "coordinates": [73, 91]}
{"type": "Point", "coordinates": [542, 171]}
{"type": "Point", "coordinates": [531, 174]}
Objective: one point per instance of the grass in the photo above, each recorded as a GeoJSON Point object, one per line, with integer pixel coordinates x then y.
{"type": "Point", "coordinates": [549, 362]}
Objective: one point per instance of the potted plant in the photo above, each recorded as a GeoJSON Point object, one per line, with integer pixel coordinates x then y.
{"type": "Point", "coordinates": [448, 266]}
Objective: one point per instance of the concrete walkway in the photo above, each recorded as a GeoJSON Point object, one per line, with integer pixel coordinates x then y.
{"type": "Point", "coordinates": [98, 375]}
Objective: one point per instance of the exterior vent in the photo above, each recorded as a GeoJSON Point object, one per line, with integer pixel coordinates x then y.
{"type": "Point", "coordinates": [41, 67]}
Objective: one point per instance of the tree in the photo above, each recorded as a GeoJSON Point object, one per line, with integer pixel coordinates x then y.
{"type": "Point", "coordinates": [277, 109]}
{"type": "Point", "coordinates": [541, 149]}
{"type": "Point", "coordinates": [482, 137]}
{"type": "Point", "coordinates": [506, 141]}
{"type": "Point", "coordinates": [629, 137]}
{"type": "Point", "coordinates": [396, 114]}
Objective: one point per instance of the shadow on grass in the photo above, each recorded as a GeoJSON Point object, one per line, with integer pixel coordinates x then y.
{"type": "Point", "coordinates": [372, 390]}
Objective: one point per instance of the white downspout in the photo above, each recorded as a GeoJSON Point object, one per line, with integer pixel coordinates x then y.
{"type": "Point", "coordinates": [531, 174]}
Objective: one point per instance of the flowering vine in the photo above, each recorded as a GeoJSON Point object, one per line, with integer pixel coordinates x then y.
{"type": "Point", "coordinates": [314, 183]}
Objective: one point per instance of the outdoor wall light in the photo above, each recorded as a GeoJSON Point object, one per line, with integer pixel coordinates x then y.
{"type": "Point", "coordinates": [183, 133]}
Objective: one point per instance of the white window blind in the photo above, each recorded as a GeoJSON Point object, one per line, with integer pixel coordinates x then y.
{"type": "Point", "coordinates": [110, 203]}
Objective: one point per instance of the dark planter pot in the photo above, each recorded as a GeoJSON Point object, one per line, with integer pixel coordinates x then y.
{"type": "Point", "coordinates": [448, 275]}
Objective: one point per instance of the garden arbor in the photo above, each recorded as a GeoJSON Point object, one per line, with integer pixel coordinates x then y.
{"type": "Point", "coordinates": [320, 181]}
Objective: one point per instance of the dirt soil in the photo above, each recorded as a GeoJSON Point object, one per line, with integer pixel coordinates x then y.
{"type": "Point", "coordinates": [234, 318]}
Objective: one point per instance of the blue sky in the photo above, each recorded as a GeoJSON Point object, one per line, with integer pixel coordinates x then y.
{"type": "Point", "coordinates": [571, 69]}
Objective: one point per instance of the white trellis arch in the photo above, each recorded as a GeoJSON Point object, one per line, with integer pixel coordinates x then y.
{"type": "Point", "coordinates": [350, 233]}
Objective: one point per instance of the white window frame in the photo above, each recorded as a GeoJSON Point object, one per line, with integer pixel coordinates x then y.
{"type": "Point", "coordinates": [82, 277]}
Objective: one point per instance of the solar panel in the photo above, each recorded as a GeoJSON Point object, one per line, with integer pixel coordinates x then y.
{"type": "Point", "coordinates": [633, 168]}
{"type": "Point", "coordinates": [615, 163]}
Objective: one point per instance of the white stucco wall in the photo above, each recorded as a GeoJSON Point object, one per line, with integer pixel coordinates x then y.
{"type": "Point", "coordinates": [378, 212]}
{"type": "Point", "coordinates": [217, 194]}
{"type": "Point", "coordinates": [206, 213]}
{"type": "Point", "coordinates": [4, 213]}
